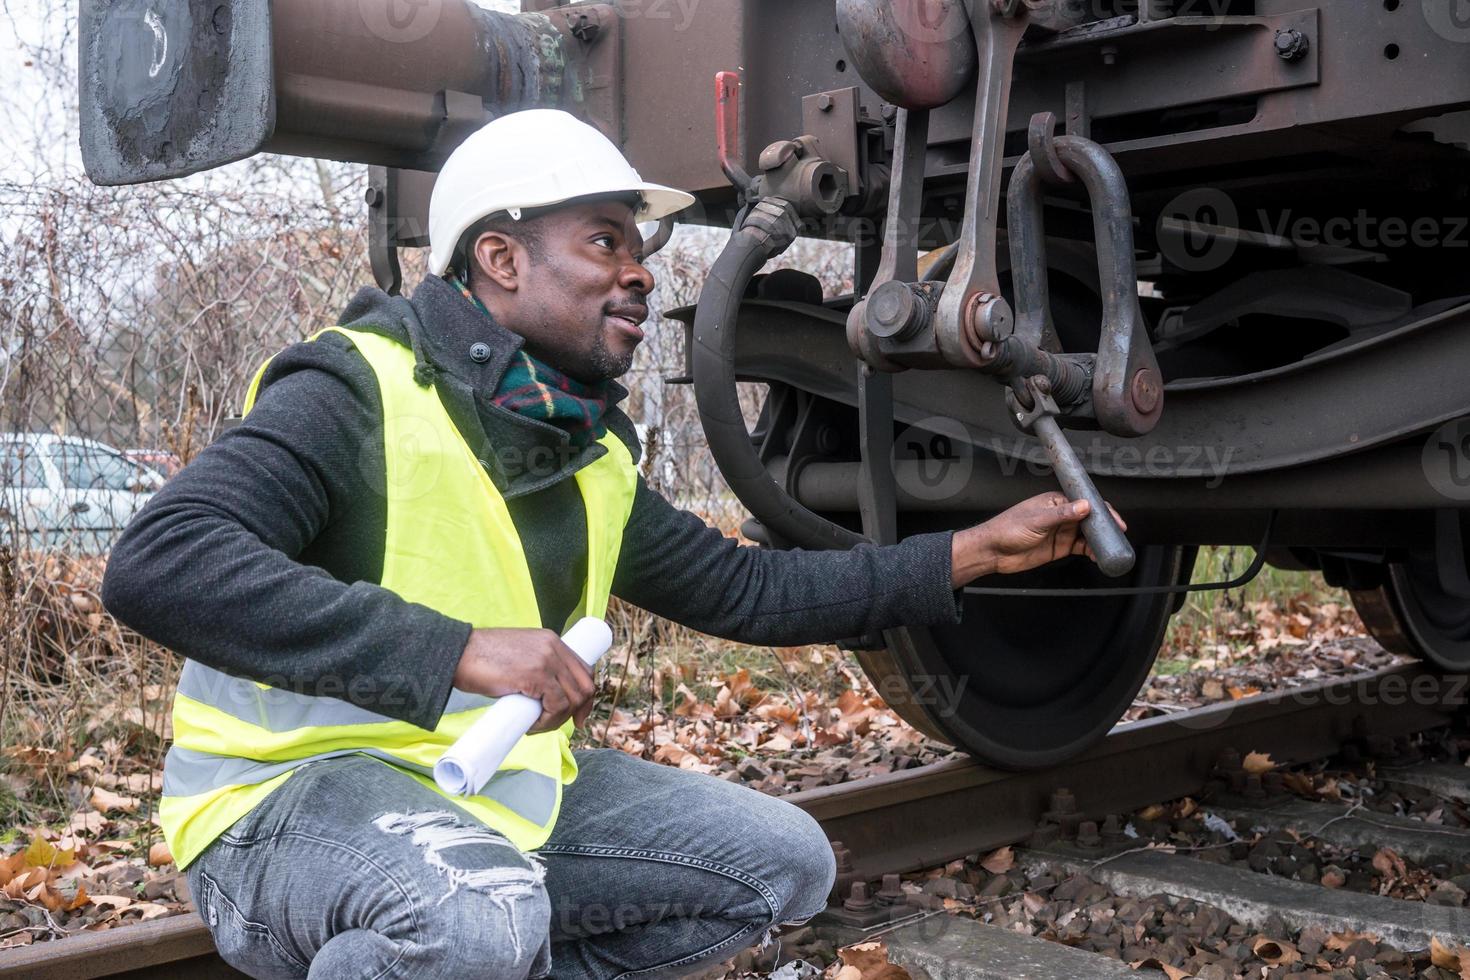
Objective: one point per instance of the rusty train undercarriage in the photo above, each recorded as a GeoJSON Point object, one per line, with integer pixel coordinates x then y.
{"type": "Point", "coordinates": [1200, 258]}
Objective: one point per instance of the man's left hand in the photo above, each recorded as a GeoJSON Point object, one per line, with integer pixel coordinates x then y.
{"type": "Point", "coordinates": [1030, 534]}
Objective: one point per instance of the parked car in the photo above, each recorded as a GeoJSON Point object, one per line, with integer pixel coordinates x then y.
{"type": "Point", "coordinates": [65, 491]}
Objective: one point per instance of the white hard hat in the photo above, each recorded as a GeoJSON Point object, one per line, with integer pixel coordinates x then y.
{"type": "Point", "coordinates": [532, 159]}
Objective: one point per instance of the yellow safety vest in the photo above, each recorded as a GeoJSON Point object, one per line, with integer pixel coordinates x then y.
{"type": "Point", "coordinates": [450, 545]}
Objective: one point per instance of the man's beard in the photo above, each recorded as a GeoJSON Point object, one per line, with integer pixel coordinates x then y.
{"type": "Point", "coordinates": [602, 364]}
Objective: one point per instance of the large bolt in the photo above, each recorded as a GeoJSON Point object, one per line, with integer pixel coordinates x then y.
{"type": "Point", "coordinates": [842, 855]}
{"type": "Point", "coordinates": [1062, 801]}
{"type": "Point", "coordinates": [1088, 836]}
{"type": "Point", "coordinates": [825, 102]}
{"type": "Point", "coordinates": [892, 892]}
{"type": "Point", "coordinates": [1146, 390]}
{"type": "Point", "coordinates": [1292, 44]}
{"type": "Point", "coordinates": [859, 899]}
{"type": "Point", "coordinates": [895, 312]}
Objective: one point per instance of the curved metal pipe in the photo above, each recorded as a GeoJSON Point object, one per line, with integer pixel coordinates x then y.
{"type": "Point", "coordinates": [766, 233]}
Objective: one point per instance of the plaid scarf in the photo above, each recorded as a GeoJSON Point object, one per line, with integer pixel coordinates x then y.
{"type": "Point", "coordinates": [536, 390]}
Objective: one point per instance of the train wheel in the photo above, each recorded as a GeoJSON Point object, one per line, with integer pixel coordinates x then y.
{"type": "Point", "coordinates": [1024, 683]}
{"type": "Point", "coordinates": [1412, 613]}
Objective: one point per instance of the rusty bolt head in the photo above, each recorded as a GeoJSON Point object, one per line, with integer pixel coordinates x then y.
{"type": "Point", "coordinates": [1146, 390]}
{"type": "Point", "coordinates": [860, 899]}
{"type": "Point", "coordinates": [825, 102]}
{"type": "Point", "coordinates": [842, 855]}
{"type": "Point", "coordinates": [892, 891]}
{"type": "Point", "coordinates": [1062, 801]}
{"type": "Point", "coordinates": [1292, 44]}
{"type": "Point", "coordinates": [373, 197]}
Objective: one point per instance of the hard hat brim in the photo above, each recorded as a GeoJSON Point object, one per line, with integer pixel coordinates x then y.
{"type": "Point", "coordinates": [658, 202]}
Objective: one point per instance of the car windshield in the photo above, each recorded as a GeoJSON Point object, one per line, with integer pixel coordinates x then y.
{"type": "Point", "coordinates": [91, 468]}
{"type": "Point", "coordinates": [21, 467]}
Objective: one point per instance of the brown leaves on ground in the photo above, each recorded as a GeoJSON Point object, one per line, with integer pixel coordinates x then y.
{"type": "Point", "coordinates": [867, 961]}
{"type": "Point", "coordinates": [53, 874]}
{"type": "Point", "coordinates": [1275, 952]}
{"type": "Point", "coordinates": [89, 870]}
{"type": "Point", "coordinates": [1455, 959]}
{"type": "Point", "coordinates": [769, 730]}
{"type": "Point", "coordinates": [1153, 963]}
{"type": "Point", "coordinates": [999, 862]}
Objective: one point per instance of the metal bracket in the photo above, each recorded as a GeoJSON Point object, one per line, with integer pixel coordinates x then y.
{"type": "Point", "coordinates": [832, 117]}
{"type": "Point", "coordinates": [1127, 389]}
{"type": "Point", "coordinates": [398, 217]}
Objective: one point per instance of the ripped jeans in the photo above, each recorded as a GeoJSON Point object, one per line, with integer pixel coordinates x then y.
{"type": "Point", "coordinates": [351, 869]}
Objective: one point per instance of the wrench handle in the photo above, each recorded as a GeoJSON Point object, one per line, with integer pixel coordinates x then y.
{"type": "Point", "coordinates": [1114, 553]}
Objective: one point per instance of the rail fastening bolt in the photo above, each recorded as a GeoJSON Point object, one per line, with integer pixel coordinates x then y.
{"type": "Point", "coordinates": [892, 892]}
{"type": "Point", "coordinates": [859, 899]}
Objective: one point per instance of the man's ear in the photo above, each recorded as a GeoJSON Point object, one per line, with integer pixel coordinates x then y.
{"type": "Point", "coordinates": [501, 259]}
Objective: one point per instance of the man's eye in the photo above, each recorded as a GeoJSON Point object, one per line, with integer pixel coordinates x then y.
{"type": "Point", "coordinates": [608, 239]}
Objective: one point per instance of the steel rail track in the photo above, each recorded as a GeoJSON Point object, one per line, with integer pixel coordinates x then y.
{"type": "Point", "coordinates": [923, 817]}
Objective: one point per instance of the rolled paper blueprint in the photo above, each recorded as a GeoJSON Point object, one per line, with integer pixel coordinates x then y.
{"type": "Point", "coordinates": [470, 762]}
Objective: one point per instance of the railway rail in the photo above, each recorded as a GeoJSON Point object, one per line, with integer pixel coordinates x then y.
{"type": "Point", "coordinates": [921, 818]}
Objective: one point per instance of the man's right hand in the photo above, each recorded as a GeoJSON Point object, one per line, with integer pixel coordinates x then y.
{"type": "Point", "coordinates": [536, 663]}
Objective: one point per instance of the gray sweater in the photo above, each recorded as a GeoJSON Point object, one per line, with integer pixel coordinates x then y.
{"type": "Point", "coordinates": [261, 558]}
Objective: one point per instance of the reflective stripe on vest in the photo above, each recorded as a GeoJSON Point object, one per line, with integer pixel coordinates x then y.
{"type": "Point", "coordinates": [188, 773]}
{"type": "Point", "coordinates": [450, 545]}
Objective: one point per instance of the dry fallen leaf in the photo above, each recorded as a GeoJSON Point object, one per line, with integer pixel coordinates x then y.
{"type": "Point", "coordinates": [999, 862]}
{"type": "Point", "coordinates": [114, 902]}
{"type": "Point", "coordinates": [1387, 863]}
{"type": "Point", "coordinates": [1340, 941]}
{"type": "Point", "coordinates": [1456, 959]}
{"type": "Point", "coordinates": [159, 854]}
{"type": "Point", "coordinates": [1258, 763]}
{"type": "Point", "coordinates": [1153, 963]}
{"type": "Point", "coordinates": [104, 800]}
{"type": "Point", "coordinates": [871, 961]}
{"type": "Point", "coordinates": [1275, 953]}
